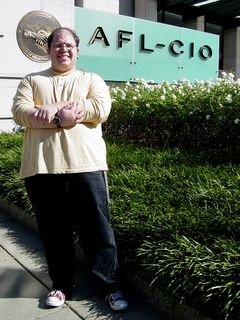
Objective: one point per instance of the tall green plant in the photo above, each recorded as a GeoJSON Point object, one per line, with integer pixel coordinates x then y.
{"type": "Point", "coordinates": [199, 114]}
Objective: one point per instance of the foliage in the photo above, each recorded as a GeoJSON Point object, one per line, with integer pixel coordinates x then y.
{"type": "Point", "coordinates": [12, 187]}
{"type": "Point", "coordinates": [202, 114]}
{"type": "Point", "coordinates": [176, 218]}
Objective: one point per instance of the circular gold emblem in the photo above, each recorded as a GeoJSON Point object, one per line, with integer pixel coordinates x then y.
{"type": "Point", "coordinates": [32, 33]}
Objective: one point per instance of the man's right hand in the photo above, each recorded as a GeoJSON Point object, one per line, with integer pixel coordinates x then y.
{"type": "Point", "coordinates": [71, 114]}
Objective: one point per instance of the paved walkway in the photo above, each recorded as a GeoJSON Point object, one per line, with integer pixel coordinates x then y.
{"type": "Point", "coordinates": [24, 283]}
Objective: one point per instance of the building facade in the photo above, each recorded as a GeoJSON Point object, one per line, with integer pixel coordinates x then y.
{"type": "Point", "coordinates": [15, 64]}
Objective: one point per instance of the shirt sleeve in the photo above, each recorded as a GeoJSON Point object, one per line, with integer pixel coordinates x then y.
{"type": "Point", "coordinates": [23, 102]}
{"type": "Point", "coordinates": [97, 104]}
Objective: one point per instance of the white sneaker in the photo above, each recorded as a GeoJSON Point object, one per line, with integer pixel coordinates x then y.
{"type": "Point", "coordinates": [55, 298]}
{"type": "Point", "coordinates": [117, 301]}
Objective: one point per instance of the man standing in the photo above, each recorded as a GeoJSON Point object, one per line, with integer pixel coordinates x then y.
{"type": "Point", "coordinates": [64, 167]}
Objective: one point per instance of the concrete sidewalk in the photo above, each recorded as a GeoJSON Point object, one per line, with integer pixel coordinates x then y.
{"type": "Point", "coordinates": [24, 283]}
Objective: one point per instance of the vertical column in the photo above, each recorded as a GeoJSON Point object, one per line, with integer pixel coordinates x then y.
{"type": "Point", "coordinates": [197, 23]}
{"type": "Point", "coordinates": [231, 51]}
{"type": "Point", "coordinates": [63, 10]}
{"type": "Point", "coordinates": [146, 9]}
{"type": "Point", "coordinates": [103, 5]}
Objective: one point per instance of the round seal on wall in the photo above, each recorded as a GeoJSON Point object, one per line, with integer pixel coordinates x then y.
{"type": "Point", "coordinates": [32, 33]}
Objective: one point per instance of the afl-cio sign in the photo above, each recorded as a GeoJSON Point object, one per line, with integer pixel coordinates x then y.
{"type": "Point", "coordinates": [32, 33]}
{"type": "Point", "coordinates": [175, 47]}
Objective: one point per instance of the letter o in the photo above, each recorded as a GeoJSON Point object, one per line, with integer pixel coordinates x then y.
{"type": "Point", "coordinates": [205, 52]}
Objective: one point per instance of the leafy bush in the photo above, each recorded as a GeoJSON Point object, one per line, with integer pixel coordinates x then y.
{"type": "Point", "coordinates": [201, 114]}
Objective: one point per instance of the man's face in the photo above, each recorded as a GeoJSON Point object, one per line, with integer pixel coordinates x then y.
{"type": "Point", "coordinates": [63, 51]}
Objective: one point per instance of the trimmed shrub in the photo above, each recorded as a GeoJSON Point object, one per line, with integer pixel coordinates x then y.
{"type": "Point", "coordinates": [203, 114]}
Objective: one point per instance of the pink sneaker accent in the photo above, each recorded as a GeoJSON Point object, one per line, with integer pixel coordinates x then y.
{"type": "Point", "coordinates": [55, 298]}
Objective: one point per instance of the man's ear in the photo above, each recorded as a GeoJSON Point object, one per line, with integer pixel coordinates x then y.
{"type": "Point", "coordinates": [48, 51]}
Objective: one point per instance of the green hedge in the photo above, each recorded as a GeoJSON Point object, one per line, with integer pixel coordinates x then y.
{"type": "Point", "coordinates": [202, 114]}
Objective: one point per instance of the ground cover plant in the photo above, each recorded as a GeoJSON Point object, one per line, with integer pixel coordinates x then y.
{"type": "Point", "coordinates": [176, 218]}
{"type": "Point", "coordinates": [175, 191]}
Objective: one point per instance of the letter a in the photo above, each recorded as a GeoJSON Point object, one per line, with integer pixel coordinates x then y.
{"type": "Point", "coordinates": [99, 35]}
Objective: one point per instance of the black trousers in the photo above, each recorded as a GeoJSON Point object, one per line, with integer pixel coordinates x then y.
{"type": "Point", "coordinates": [64, 203]}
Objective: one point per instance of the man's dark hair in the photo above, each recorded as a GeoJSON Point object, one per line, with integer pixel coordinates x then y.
{"type": "Point", "coordinates": [51, 36]}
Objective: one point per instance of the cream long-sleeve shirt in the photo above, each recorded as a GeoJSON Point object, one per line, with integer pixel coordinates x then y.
{"type": "Point", "coordinates": [80, 148]}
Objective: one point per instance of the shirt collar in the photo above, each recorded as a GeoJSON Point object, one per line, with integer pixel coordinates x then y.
{"type": "Point", "coordinates": [55, 73]}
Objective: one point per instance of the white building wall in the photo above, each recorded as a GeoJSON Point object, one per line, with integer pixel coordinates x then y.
{"type": "Point", "coordinates": [14, 64]}
{"type": "Point", "coordinates": [102, 5]}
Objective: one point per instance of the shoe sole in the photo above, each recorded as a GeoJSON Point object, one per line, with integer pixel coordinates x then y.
{"type": "Point", "coordinates": [118, 309]}
{"type": "Point", "coordinates": [55, 304]}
